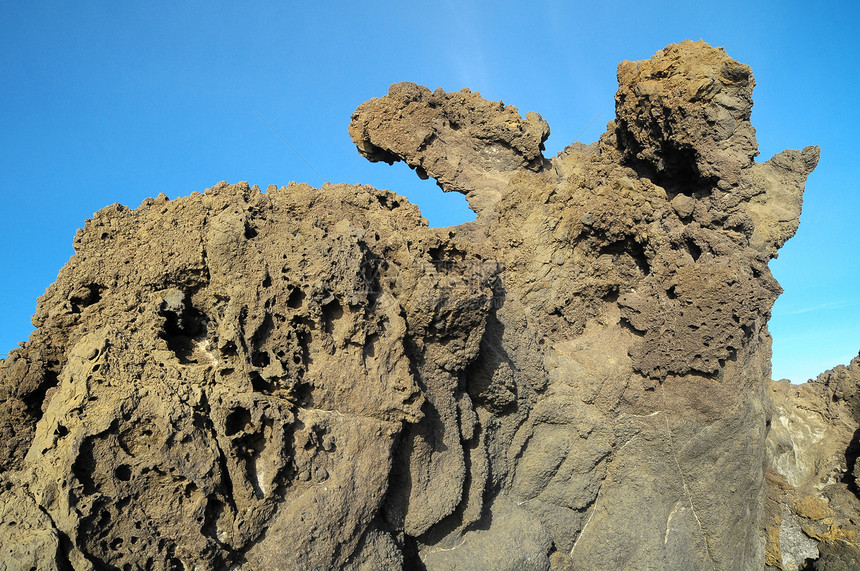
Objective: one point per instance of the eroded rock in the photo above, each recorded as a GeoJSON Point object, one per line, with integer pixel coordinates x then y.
{"type": "Point", "coordinates": [314, 378]}
{"type": "Point", "coordinates": [466, 143]}
{"type": "Point", "coordinates": [812, 448]}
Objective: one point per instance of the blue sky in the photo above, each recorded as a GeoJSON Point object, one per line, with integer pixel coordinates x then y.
{"type": "Point", "coordinates": [108, 102]}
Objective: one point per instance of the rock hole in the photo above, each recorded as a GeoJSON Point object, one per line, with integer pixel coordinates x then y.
{"type": "Point", "coordinates": [116, 544]}
{"type": "Point", "coordinates": [86, 296]}
{"type": "Point", "coordinates": [303, 394]}
{"type": "Point", "coordinates": [211, 515]}
{"type": "Point", "coordinates": [123, 472]}
{"type": "Point", "coordinates": [37, 401]}
{"type": "Point", "coordinates": [250, 448]}
{"type": "Point", "coordinates": [260, 336]}
{"type": "Point", "coordinates": [693, 248]}
{"type": "Point", "coordinates": [183, 326]}
{"type": "Point", "coordinates": [236, 421]}
{"type": "Point", "coordinates": [294, 301]}
{"type": "Point", "coordinates": [104, 519]}
{"type": "Point", "coordinates": [370, 273]}
{"type": "Point", "coordinates": [370, 346]}
{"type": "Point", "coordinates": [259, 384]}
{"type": "Point", "coordinates": [331, 312]}
{"type": "Point", "coordinates": [670, 293]}
{"type": "Point", "coordinates": [639, 256]}
{"type": "Point", "coordinates": [84, 466]}
{"type": "Point", "coordinates": [630, 248]}
{"type": "Point", "coordinates": [260, 359]}
{"type": "Point", "coordinates": [305, 339]}
{"type": "Point", "coordinates": [228, 349]}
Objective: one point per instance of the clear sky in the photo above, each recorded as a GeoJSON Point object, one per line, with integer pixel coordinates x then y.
{"type": "Point", "coordinates": [106, 102]}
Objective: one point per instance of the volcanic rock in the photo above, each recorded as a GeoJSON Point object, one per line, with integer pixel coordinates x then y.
{"type": "Point", "coordinates": [312, 378]}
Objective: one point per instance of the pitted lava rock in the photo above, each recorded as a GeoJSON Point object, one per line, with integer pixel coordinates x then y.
{"type": "Point", "coordinates": [312, 378]}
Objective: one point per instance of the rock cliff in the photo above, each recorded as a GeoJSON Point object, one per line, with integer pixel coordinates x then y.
{"type": "Point", "coordinates": [312, 378]}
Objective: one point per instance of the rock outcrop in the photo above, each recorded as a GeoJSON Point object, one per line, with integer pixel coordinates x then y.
{"type": "Point", "coordinates": [813, 510]}
{"type": "Point", "coordinates": [466, 143]}
{"type": "Point", "coordinates": [313, 378]}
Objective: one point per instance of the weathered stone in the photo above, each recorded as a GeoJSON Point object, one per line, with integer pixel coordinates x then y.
{"type": "Point", "coordinates": [812, 452]}
{"type": "Point", "coordinates": [315, 379]}
{"type": "Point", "coordinates": [466, 143]}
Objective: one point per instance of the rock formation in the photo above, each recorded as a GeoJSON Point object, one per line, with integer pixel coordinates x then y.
{"type": "Point", "coordinates": [311, 378]}
{"type": "Point", "coordinates": [813, 510]}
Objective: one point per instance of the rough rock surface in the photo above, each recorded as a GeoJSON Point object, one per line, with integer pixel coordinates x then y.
{"type": "Point", "coordinates": [468, 144]}
{"type": "Point", "coordinates": [314, 379]}
{"type": "Point", "coordinates": [813, 510]}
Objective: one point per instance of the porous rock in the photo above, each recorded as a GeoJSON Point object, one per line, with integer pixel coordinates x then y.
{"type": "Point", "coordinates": [313, 378]}
{"type": "Point", "coordinates": [466, 143]}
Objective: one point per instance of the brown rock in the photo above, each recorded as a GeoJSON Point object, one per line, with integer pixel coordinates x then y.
{"type": "Point", "coordinates": [314, 379]}
{"type": "Point", "coordinates": [466, 143]}
{"type": "Point", "coordinates": [685, 114]}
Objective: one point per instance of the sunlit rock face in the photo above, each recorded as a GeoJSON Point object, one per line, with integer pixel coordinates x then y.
{"type": "Point", "coordinates": [813, 446]}
{"type": "Point", "coordinates": [313, 378]}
